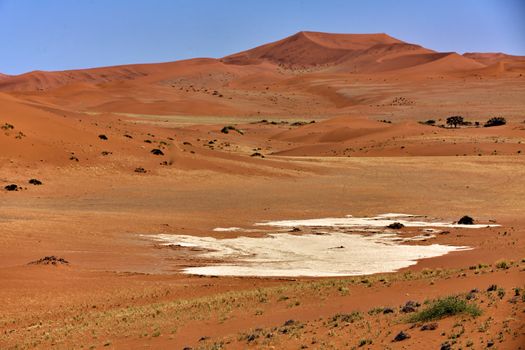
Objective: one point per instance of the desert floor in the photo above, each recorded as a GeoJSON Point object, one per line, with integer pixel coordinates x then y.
{"type": "Point", "coordinates": [364, 155]}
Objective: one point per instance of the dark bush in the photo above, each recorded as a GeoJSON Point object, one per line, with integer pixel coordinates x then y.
{"type": "Point", "coordinates": [35, 182]}
{"type": "Point", "coordinates": [157, 152]}
{"type": "Point", "coordinates": [226, 129]}
{"type": "Point", "coordinates": [496, 121]}
{"type": "Point", "coordinates": [102, 137]}
{"type": "Point", "coordinates": [401, 336]}
{"type": "Point", "coordinates": [396, 226]}
{"type": "Point", "coordinates": [11, 187]}
{"type": "Point", "coordinates": [466, 220]}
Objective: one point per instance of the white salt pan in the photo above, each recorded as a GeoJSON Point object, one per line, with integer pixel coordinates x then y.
{"type": "Point", "coordinates": [334, 253]}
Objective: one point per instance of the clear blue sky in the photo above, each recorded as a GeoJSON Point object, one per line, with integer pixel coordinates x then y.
{"type": "Point", "coordinates": [67, 34]}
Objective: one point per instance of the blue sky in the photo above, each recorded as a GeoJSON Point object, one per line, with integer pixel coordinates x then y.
{"type": "Point", "coordinates": [68, 34]}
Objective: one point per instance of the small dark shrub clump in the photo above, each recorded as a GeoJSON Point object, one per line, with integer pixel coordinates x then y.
{"type": "Point", "coordinates": [11, 187]}
{"type": "Point", "coordinates": [401, 336]}
{"type": "Point", "coordinates": [226, 129]}
{"type": "Point", "coordinates": [50, 260]}
{"type": "Point", "coordinates": [466, 220]}
{"type": "Point", "coordinates": [102, 137]}
{"type": "Point", "coordinates": [35, 182]}
{"type": "Point", "coordinates": [157, 152]}
{"type": "Point", "coordinates": [396, 225]}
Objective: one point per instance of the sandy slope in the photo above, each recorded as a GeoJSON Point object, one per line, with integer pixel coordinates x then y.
{"type": "Point", "coordinates": [366, 153]}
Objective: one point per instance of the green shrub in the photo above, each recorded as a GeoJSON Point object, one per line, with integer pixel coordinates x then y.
{"type": "Point", "coordinates": [444, 307]}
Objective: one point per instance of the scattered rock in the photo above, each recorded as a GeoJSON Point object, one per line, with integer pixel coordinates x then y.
{"type": "Point", "coordinates": [289, 323]}
{"type": "Point", "coordinates": [106, 153]}
{"type": "Point", "coordinates": [35, 182]}
{"type": "Point", "coordinates": [492, 288]}
{"type": "Point", "coordinates": [140, 170]}
{"type": "Point", "coordinates": [401, 336]}
{"type": "Point", "coordinates": [410, 306]}
{"type": "Point", "coordinates": [466, 220]}
{"type": "Point", "coordinates": [429, 326]}
{"type": "Point", "coordinates": [257, 154]}
{"type": "Point", "coordinates": [446, 346]}
{"type": "Point", "coordinates": [226, 129]}
{"type": "Point", "coordinates": [102, 137]}
{"type": "Point", "coordinates": [50, 260]}
{"type": "Point", "coordinates": [11, 187]}
{"type": "Point", "coordinates": [388, 310]}
{"type": "Point", "coordinates": [157, 152]}
{"type": "Point", "coordinates": [396, 226]}
{"type": "Point", "coordinates": [128, 136]}
{"type": "Point", "coordinates": [295, 229]}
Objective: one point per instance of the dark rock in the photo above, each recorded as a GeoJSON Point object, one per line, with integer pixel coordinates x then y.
{"type": "Point", "coordinates": [429, 326]}
{"type": "Point", "coordinates": [157, 152]}
{"type": "Point", "coordinates": [140, 170]}
{"type": "Point", "coordinates": [295, 229]}
{"type": "Point", "coordinates": [492, 288]}
{"type": "Point", "coordinates": [446, 346]}
{"type": "Point", "coordinates": [466, 220]}
{"type": "Point", "coordinates": [490, 343]}
{"type": "Point", "coordinates": [396, 226]}
{"type": "Point", "coordinates": [106, 153]}
{"type": "Point", "coordinates": [11, 187]}
{"type": "Point", "coordinates": [388, 310]}
{"type": "Point", "coordinates": [257, 154]}
{"type": "Point", "coordinates": [410, 306]}
{"type": "Point", "coordinates": [102, 137]}
{"type": "Point", "coordinates": [289, 323]}
{"type": "Point", "coordinates": [35, 182]}
{"type": "Point", "coordinates": [401, 336]}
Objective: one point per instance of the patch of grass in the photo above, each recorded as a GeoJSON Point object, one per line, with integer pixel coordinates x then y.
{"type": "Point", "coordinates": [444, 307]}
{"type": "Point", "coordinates": [502, 264]}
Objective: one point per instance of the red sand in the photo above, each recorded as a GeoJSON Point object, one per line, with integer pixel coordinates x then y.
{"type": "Point", "coordinates": [367, 153]}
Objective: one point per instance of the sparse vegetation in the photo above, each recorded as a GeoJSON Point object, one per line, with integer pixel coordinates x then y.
{"type": "Point", "coordinates": [445, 307]}
{"type": "Point", "coordinates": [7, 126]}
{"type": "Point", "coordinates": [502, 264]}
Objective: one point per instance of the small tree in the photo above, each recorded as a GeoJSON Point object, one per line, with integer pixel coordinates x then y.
{"type": "Point", "coordinates": [455, 120]}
